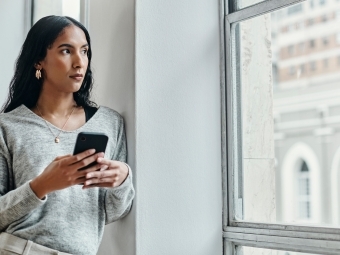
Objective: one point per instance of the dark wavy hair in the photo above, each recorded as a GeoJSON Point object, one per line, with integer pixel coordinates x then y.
{"type": "Point", "coordinates": [25, 87]}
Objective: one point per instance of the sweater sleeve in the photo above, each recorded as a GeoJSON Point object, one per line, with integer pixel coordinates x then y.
{"type": "Point", "coordinates": [14, 204]}
{"type": "Point", "coordinates": [118, 200]}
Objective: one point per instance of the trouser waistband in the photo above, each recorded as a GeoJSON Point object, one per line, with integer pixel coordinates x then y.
{"type": "Point", "coordinates": [18, 245]}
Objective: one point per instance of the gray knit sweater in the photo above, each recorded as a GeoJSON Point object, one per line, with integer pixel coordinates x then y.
{"type": "Point", "coordinates": [70, 220]}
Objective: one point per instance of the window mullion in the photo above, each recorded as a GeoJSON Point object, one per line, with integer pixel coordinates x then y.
{"type": "Point", "coordinates": [283, 247]}
{"type": "Point", "coordinates": [228, 203]}
{"type": "Point", "coordinates": [287, 227]}
{"type": "Point", "coordinates": [285, 233]}
{"type": "Point", "coordinates": [84, 13]}
{"type": "Point", "coordinates": [310, 242]}
{"type": "Point", "coordinates": [28, 17]}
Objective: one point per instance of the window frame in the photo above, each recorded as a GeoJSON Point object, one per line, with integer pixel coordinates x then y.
{"type": "Point", "coordinates": [290, 237]}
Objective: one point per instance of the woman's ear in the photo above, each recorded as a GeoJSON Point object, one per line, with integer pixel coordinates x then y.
{"type": "Point", "coordinates": [37, 66]}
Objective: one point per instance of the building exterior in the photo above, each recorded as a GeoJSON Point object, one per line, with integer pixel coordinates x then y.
{"type": "Point", "coordinates": [306, 86]}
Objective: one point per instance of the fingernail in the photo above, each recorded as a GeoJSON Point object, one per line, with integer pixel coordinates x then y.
{"type": "Point", "coordinates": [89, 176]}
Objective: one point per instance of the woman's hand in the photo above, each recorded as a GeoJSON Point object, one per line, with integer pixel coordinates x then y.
{"type": "Point", "coordinates": [113, 173]}
{"type": "Point", "coordinates": [64, 172]}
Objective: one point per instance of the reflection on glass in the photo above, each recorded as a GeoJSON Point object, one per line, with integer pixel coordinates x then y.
{"type": "Point", "coordinates": [244, 250]}
{"type": "Point", "coordinates": [42, 8]}
{"type": "Point", "coordinates": [290, 99]}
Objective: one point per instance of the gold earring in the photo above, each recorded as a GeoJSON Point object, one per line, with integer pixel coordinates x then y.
{"type": "Point", "coordinates": [38, 74]}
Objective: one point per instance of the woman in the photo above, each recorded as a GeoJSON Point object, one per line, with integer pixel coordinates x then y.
{"type": "Point", "coordinates": [43, 209]}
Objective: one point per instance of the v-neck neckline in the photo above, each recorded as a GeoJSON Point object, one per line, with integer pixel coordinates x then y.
{"type": "Point", "coordinates": [55, 127]}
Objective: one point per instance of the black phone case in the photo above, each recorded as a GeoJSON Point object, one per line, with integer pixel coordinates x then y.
{"type": "Point", "coordinates": [90, 140]}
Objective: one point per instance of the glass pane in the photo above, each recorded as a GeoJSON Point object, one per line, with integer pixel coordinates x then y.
{"type": "Point", "coordinates": [244, 250]}
{"type": "Point", "coordinates": [44, 8]}
{"type": "Point", "coordinates": [287, 69]}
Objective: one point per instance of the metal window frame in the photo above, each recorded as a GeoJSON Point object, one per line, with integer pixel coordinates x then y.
{"type": "Point", "coordinates": [236, 233]}
{"type": "Point", "coordinates": [85, 13]}
{"type": "Point", "coordinates": [28, 16]}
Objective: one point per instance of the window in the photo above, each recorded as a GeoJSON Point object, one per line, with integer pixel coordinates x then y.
{"type": "Point", "coordinates": [325, 41]}
{"type": "Point", "coordinates": [277, 176]}
{"type": "Point", "coordinates": [325, 63]}
{"type": "Point", "coordinates": [324, 18]}
{"type": "Point", "coordinates": [312, 66]}
{"type": "Point", "coordinates": [65, 7]}
{"type": "Point", "coordinates": [310, 22]}
{"type": "Point", "coordinates": [338, 38]}
{"type": "Point", "coordinates": [290, 49]}
{"type": "Point", "coordinates": [291, 27]}
{"type": "Point", "coordinates": [302, 69]}
{"type": "Point", "coordinates": [304, 192]}
{"type": "Point", "coordinates": [301, 47]}
{"type": "Point", "coordinates": [294, 9]}
{"type": "Point", "coordinates": [76, 9]}
{"type": "Point", "coordinates": [300, 25]}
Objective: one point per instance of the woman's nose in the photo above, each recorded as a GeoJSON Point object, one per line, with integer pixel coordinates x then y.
{"type": "Point", "coordinates": [78, 61]}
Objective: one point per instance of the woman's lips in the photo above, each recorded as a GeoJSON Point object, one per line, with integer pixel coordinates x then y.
{"type": "Point", "coordinates": [77, 77]}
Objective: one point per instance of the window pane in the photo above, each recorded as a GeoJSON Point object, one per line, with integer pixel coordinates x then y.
{"type": "Point", "coordinates": [289, 80]}
{"type": "Point", "coordinates": [244, 250]}
{"type": "Point", "coordinates": [44, 8]}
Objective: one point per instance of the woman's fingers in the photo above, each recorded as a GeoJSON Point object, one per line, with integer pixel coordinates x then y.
{"type": "Point", "coordinates": [110, 177]}
{"type": "Point", "coordinates": [61, 157]}
{"type": "Point", "coordinates": [113, 177]}
{"type": "Point", "coordinates": [108, 162]}
{"type": "Point", "coordinates": [81, 180]}
{"type": "Point", "coordinates": [101, 185]}
{"type": "Point", "coordinates": [102, 174]}
{"type": "Point", "coordinates": [79, 157]}
{"type": "Point", "coordinates": [84, 162]}
{"type": "Point", "coordinates": [97, 167]}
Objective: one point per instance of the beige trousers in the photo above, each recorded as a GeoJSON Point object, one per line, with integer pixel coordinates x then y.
{"type": "Point", "coordinates": [12, 245]}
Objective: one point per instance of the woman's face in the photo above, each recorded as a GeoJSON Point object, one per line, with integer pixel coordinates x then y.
{"type": "Point", "coordinates": [65, 64]}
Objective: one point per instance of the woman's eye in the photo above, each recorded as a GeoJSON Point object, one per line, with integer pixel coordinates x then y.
{"type": "Point", "coordinates": [66, 51]}
{"type": "Point", "coordinates": [84, 51]}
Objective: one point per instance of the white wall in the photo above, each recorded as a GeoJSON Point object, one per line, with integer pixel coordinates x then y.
{"type": "Point", "coordinates": [12, 31]}
{"type": "Point", "coordinates": [178, 152]}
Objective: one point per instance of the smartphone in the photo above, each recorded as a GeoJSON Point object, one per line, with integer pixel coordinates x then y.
{"type": "Point", "coordinates": [90, 140]}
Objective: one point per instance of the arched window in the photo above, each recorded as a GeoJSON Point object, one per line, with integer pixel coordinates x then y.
{"type": "Point", "coordinates": [304, 192]}
{"type": "Point", "coordinates": [300, 185]}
